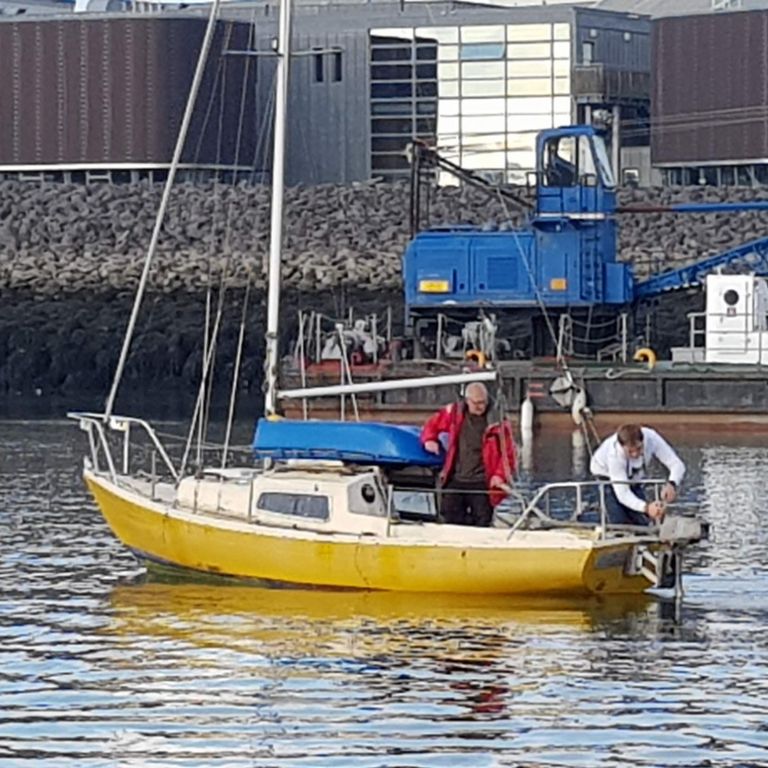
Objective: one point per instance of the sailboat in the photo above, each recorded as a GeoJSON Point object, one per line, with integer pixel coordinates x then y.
{"type": "Point", "coordinates": [352, 505]}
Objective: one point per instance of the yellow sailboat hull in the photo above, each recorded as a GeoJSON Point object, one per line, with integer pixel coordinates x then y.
{"type": "Point", "coordinates": [209, 544]}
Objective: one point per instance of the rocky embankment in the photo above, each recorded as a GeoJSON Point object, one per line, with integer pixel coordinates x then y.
{"type": "Point", "coordinates": [71, 257]}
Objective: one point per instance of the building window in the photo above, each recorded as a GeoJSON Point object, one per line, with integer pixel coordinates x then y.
{"type": "Point", "coordinates": [319, 67]}
{"type": "Point", "coordinates": [587, 52]}
{"type": "Point", "coordinates": [336, 62]}
{"type": "Point", "coordinates": [631, 177]}
{"type": "Point", "coordinates": [403, 71]}
{"type": "Point", "coordinates": [478, 93]}
{"type": "Point", "coordinates": [761, 175]}
{"type": "Point", "coordinates": [481, 51]}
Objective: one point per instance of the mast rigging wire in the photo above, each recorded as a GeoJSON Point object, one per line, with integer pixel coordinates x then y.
{"type": "Point", "coordinates": [160, 218]}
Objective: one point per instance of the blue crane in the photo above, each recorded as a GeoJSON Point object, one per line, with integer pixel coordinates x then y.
{"type": "Point", "coordinates": [564, 258]}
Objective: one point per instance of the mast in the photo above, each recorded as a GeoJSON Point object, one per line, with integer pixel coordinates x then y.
{"type": "Point", "coordinates": [276, 222]}
{"type": "Point", "coordinates": [197, 79]}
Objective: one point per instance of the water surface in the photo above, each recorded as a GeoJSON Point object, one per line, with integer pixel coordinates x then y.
{"type": "Point", "coordinates": [102, 666]}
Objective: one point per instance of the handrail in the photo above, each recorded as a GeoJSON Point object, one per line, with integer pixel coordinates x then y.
{"type": "Point", "coordinates": [578, 487]}
{"type": "Point", "coordinates": [121, 424]}
{"type": "Point", "coordinates": [88, 426]}
{"type": "Point", "coordinates": [533, 507]}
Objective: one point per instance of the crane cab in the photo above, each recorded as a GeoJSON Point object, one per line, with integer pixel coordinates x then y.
{"type": "Point", "coordinates": [574, 178]}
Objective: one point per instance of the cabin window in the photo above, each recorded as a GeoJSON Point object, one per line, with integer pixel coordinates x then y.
{"type": "Point", "coordinates": [418, 504]}
{"type": "Point", "coordinates": [295, 504]}
{"type": "Point", "coordinates": [364, 499]}
{"type": "Point", "coordinates": [560, 162]}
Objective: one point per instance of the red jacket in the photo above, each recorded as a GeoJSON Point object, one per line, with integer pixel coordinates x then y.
{"type": "Point", "coordinates": [499, 453]}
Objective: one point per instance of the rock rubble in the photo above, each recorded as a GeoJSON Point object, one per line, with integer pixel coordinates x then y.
{"type": "Point", "coordinates": [60, 238]}
{"type": "Point", "coordinates": [71, 257]}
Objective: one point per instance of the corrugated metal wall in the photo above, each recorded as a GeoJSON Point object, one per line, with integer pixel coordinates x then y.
{"type": "Point", "coordinates": [710, 89]}
{"type": "Point", "coordinates": [620, 42]}
{"type": "Point", "coordinates": [112, 91]}
{"type": "Point", "coordinates": [329, 126]}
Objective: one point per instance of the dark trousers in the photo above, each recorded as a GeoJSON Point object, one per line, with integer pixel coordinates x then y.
{"type": "Point", "coordinates": [618, 514]}
{"type": "Point", "coordinates": [465, 504]}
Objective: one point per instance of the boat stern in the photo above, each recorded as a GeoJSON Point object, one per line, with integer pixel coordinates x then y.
{"type": "Point", "coordinates": [648, 562]}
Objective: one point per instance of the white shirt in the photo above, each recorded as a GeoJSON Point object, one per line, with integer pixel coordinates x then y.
{"type": "Point", "coordinates": [610, 461]}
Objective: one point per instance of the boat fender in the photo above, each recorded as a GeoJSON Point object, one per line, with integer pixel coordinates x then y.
{"type": "Point", "coordinates": [645, 355]}
{"type": "Point", "coordinates": [476, 356]}
{"type": "Point", "coordinates": [579, 406]}
{"type": "Point", "coordinates": [526, 416]}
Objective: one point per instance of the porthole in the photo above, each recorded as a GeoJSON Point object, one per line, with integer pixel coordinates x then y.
{"type": "Point", "coordinates": [731, 297]}
{"type": "Point", "coordinates": [368, 493]}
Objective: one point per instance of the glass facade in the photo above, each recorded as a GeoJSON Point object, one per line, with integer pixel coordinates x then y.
{"type": "Point", "coordinates": [480, 94]}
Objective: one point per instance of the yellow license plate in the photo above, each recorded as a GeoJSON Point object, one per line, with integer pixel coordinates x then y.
{"type": "Point", "coordinates": [434, 286]}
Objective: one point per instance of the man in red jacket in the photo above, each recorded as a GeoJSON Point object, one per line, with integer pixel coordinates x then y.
{"type": "Point", "coordinates": [479, 461]}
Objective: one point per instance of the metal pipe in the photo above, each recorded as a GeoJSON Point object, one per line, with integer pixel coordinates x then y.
{"type": "Point", "coordinates": [302, 365]}
{"type": "Point", "coordinates": [346, 370]}
{"type": "Point", "coordinates": [695, 208]}
{"type": "Point", "coordinates": [334, 390]}
{"type": "Point", "coordinates": [126, 449]}
{"type": "Point", "coordinates": [94, 447]}
{"type": "Point", "coordinates": [603, 523]}
{"type": "Point", "coordinates": [107, 454]}
{"type": "Point", "coordinates": [375, 333]}
{"type": "Point", "coordinates": [342, 401]}
{"type": "Point", "coordinates": [624, 347]}
{"type": "Point", "coordinates": [439, 341]}
{"type": "Point", "coordinates": [276, 223]}
{"type": "Point", "coordinates": [235, 377]}
{"type": "Point", "coordinates": [204, 374]}
{"type": "Point", "coordinates": [616, 143]}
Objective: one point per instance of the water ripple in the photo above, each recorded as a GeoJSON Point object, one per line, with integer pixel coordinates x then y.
{"type": "Point", "coordinates": [101, 666]}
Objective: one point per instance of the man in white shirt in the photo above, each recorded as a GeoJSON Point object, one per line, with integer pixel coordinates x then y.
{"type": "Point", "coordinates": [623, 458]}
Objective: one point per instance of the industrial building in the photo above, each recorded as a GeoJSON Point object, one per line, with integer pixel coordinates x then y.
{"type": "Point", "coordinates": [100, 95]}
{"type": "Point", "coordinates": [710, 99]}
{"type": "Point", "coordinates": [103, 93]}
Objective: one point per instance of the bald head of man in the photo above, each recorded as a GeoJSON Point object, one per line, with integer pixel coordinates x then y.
{"type": "Point", "coordinates": [476, 398]}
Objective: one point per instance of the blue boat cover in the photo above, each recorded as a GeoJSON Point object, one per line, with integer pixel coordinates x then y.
{"type": "Point", "coordinates": [349, 441]}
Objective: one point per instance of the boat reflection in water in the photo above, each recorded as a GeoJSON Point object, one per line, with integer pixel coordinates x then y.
{"type": "Point", "coordinates": [288, 620]}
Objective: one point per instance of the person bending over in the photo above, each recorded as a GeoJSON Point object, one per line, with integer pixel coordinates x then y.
{"type": "Point", "coordinates": [623, 458]}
